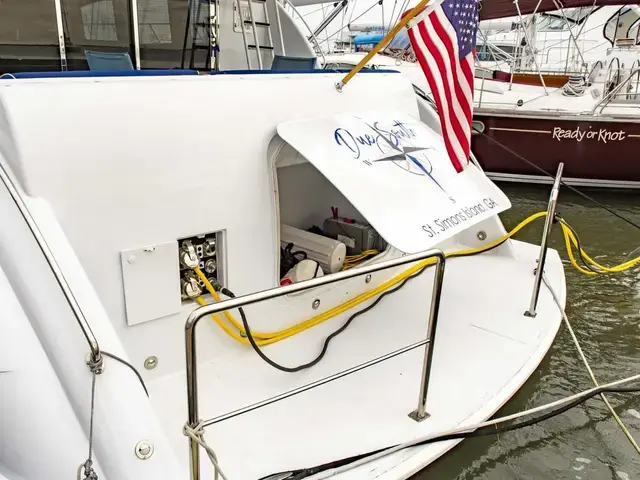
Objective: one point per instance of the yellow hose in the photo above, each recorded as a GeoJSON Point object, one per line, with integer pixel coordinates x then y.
{"type": "Point", "coordinates": [571, 240]}
{"type": "Point", "coordinates": [266, 338]}
{"type": "Point", "coordinates": [351, 261]}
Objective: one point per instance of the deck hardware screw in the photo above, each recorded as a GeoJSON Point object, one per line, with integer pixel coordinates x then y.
{"type": "Point", "coordinates": [151, 362]}
{"type": "Point", "coordinates": [482, 235]}
{"type": "Point", "coordinates": [144, 449]}
{"type": "Point", "coordinates": [367, 279]}
{"type": "Point", "coordinates": [316, 304]}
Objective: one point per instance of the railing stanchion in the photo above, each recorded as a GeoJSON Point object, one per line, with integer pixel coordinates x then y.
{"type": "Point", "coordinates": [420, 413]}
{"type": "Point", "coordinates": [551, 213]}
{"type": "Point", "coordinates": [192, 397]}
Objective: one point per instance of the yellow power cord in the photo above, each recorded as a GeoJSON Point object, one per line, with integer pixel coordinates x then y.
{"type": "Point", "coordinates": [266, 338]}
{"type": "Point", "coordinates": [351, 261]}
{"type": "Point", "coordinates": [570, 239]}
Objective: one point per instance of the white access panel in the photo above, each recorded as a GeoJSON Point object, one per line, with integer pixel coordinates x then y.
{"type": "Point", "coordinates": [151, 279]}
{"type": "Point", "coordinates": [397, 173]}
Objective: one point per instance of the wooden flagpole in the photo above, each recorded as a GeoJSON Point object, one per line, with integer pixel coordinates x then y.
{"type": "Point", "coordinates": [383, 43]}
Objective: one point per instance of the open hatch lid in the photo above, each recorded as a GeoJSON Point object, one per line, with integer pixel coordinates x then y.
{"type": "Point", "coordinates": [396, 172]}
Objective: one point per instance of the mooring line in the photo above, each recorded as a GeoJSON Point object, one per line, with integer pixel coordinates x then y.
{"type": "Point", "coordinates": [617, 418]}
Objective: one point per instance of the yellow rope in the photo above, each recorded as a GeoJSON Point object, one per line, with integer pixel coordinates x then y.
{"type": "Point", "coordinates": [351, 261]}
{"type": "Point", "coordinates": [571, 241]}
{"type": "Point", "coordinates": [266, 338]}
{"type": "Point", "coordinates": [238, 332]}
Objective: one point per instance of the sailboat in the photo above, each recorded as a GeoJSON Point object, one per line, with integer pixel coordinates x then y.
{"type": "Point", "coordinates": [589, 121]}
{"type": "Point", "coordinates": [568, 93]}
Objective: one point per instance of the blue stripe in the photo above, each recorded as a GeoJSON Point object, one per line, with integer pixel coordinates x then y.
{"type": "Point", "coordinates": [164, 73]}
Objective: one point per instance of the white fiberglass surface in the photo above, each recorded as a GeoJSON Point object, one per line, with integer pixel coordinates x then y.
{"type": "Point", "coordinates": [485, 348]}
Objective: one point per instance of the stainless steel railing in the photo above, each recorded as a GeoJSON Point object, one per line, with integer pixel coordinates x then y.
{"type": "Point", "coordinates": [197, 314]}
{"type": "Point", "coordinates": [615, 92]}
{"type": "Point", "coordinates": [5, 177]}
{"type": "Point", "coordinates": [542, 256]}
{"type": "Point", "coordinates": [304, 22]}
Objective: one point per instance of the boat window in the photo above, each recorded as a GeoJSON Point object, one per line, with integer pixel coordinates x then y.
{"type": "Point", "coordinates": [166, 29]}
{"type": "Point", "coordinates": [99, 21]}
{"type": "Point", "coordinates": [551, 23]}
{"type": "Point", "coordinates": [620, 24]}
{"type": "Point", "coordinates": [339, 66]}
{"type": "Point", "coordinates": [494, 53]}
{"type": "Point", "coordinates": [102, 25]}
{"type": "Point", "coordinates": [555, 21]}
{"type": "Point", "coordinates": [28, 36]}
{"type": "Point", "coordinates": [634, 31]}
{"type": "Point", "coordinates": [153, 22]}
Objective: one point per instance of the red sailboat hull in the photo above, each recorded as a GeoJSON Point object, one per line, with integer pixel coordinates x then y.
{"type": "Point", "coordinates": [595, 151]}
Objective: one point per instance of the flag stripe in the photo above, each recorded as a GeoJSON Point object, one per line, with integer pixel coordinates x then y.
{"type": "Point", "coordinates": [442, 51]}
{"type": "Point", "coordinates": [449, 33]}
{"type": "Point", "coordinates": [467, 69]}
{"type": "Point", "coordinates": [443, 39]}
{"type": "Point", "coordinates": [463, 86]}
{"type": "Point", "coordinates": [431, 81]}
{"type": "Point", "coordinates": [454, 131]}
{"type": "Point", "coordinates": [447, 130]}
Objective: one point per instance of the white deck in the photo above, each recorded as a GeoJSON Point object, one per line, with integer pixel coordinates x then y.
{"type": "Point", "coordinates": [483, 355]}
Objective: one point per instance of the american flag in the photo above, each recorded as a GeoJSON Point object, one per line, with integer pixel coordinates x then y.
{"type": "Point", "coordinates": [444, 41]}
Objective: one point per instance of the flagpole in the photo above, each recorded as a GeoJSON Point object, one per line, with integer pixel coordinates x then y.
{"type": "Point", "coordinates": [382, 43]}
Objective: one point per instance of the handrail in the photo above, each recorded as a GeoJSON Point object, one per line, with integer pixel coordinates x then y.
{"type": "Point", "coordinates": [256, 40]}
{"type": "Point", "coordinates": [309, 386]}
{"type": "Point", "coordinates": [542, 256]}
{"type": "Point", "coordinates": [315, 40]}
{"type": "Point", "coordinates": [244, 33]}
{"type": "Point", "coordinates": [607, 98]}
{"type": "Point", "coordinates": [590, 73]}
{"type": "Point", "coordinates": [635, 66]}
{"type": "Point", "coordinates": [279, 24]}
{"type": "Point", "coordinates": [197, 314]}
{"type": "Point", "coordinates": [53, 264]}
{"type": "Point", "coordinates": [611, 72]}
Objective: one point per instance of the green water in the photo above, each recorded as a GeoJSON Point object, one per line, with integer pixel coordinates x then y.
{"type": "Point", "coordinates": [584, 443]}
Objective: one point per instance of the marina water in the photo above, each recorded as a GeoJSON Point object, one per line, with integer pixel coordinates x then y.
{"type": "Point", "coordinates": [584, 443]}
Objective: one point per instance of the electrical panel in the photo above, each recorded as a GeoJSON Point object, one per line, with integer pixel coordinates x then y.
{"type": "Point", "coordinates": [205, 251]}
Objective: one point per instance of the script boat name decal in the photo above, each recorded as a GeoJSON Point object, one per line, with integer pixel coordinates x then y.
{"type": "Point", "coordinates": [601, 135]}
